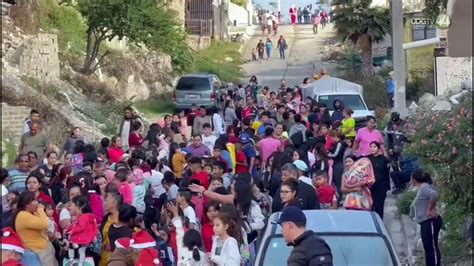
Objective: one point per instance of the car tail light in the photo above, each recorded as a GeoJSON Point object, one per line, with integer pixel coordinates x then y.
{"type": "Point", "coordinates": [213, 96]}
{"type": "Point", "coordinates": [174, 96]}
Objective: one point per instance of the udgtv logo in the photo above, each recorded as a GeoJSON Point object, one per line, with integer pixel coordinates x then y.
{"type": "Point", "coordinates": [442, 22]}
{"type": "Point", "coordinates": [422, 21]}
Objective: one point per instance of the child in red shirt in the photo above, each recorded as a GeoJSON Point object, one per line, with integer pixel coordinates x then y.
{"type": "Point", "coordinates": [241, 165]}
{"type": "Point", "coordinates": [198, 174]}
{"type": "Point", "coordinates": [326, 192]}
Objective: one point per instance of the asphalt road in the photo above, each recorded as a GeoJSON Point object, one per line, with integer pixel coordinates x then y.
{"type": "Point", "coordinates": [302, 56]}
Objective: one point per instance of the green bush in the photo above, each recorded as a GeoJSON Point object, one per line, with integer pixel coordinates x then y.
{"type": "Point", "coordinates": [69, 24]}
{"type": "Point", "coordinates": [443, 143]}
{"type": "Point", "coordinates": [215, 60]}
{"type": "Point", "coordinates": [404, 202]}
{"type": "Point", "coordinates": [375, 94]}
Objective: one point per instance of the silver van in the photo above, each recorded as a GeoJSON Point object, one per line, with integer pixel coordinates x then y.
{"type": "Point", "coordinates": [198, 89]}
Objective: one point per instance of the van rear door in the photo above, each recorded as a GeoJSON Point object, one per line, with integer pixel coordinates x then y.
{"type": "Point", "coordinates": [196, 90]}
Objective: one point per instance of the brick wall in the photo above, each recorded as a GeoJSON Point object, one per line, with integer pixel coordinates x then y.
{"type": "Point", "coordinates": [13, 118]}
{"type": "Point", "coordinates": [39, 58]}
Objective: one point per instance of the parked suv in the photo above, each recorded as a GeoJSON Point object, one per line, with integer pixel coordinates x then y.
{"type": "Point", "coordinates": [199, 89]}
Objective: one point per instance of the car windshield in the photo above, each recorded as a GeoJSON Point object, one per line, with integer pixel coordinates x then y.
{"type": "Point", "coordinates": [193, 84]}
{"type": "Point", "coordinates": [346, 250]}
{"type": "Point", "coordinates": [353, 101]}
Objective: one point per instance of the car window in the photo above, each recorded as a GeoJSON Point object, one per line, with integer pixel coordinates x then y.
{"type": "Point", "coordinates": [346, 250]}
{"type": "Point", "coordinates": [352, 101]}
{"type": "Point", "coordinates": [193, 84]}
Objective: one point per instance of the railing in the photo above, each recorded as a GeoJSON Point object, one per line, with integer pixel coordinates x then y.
{"type": "Point", "coordinates": [202, 27]}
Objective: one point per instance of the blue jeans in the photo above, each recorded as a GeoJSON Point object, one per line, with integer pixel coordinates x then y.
{"type": "Point", "coordinates": [269, 52]}
{"type": "Point", "coordinates": [282, 53]}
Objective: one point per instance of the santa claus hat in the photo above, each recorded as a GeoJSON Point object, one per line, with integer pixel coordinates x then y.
{"type": "Point", "coordinates": [147, 257]}
{"type": "Point", "coordinates": [123, 242]}
{"type": "Point", "coordinates": [11, 241]}
{"type": "Point", "coordinates": [142, 239]}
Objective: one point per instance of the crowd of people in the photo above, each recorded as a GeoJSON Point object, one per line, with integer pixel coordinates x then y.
{"type": "Point", "coordinates": [198, 187]}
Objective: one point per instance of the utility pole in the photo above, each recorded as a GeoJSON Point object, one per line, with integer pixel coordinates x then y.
{"type": "Point", "coordinates": [398, 56]}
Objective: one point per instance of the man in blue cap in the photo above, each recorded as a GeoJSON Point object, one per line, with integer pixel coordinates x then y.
{"type": "Point", "coordinates": [308, 248]}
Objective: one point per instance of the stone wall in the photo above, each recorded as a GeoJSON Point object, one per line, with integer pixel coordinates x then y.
{"type": "Point", "coordinates": [451, 72]}
{"type": "Point", "coordinates": [197, 42]}
{"type": "Point", "coordinates": [13, 118]}
{"type": "Point", "coordinates": [39, 58]}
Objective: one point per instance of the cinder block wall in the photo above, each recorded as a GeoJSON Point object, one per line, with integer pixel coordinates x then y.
{"type": "Point", "coordinates": [13, 118]}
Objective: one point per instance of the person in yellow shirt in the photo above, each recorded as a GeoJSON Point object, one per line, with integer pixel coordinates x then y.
{"type": "Point", "coordinates": [322, 74]}
{"type": "Point", "coordinates": [348, 124]}
{"type": "Point", "coordinates": [31, 224]}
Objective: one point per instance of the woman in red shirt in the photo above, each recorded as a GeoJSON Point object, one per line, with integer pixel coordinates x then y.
{"type": "Point", "coordinates": [207, 232]}
{"type": "Point", "coordinates": [34, 183]}
{"type": "Point", "coordinates": [135, 139]}
{"type": "Point", "coordinates": [115, 152]}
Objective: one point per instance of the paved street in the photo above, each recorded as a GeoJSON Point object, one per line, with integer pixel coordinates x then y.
{"type": "Point", "coordinates": [303, 56]}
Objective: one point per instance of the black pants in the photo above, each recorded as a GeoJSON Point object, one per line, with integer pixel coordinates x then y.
{"type": "Point", "coordinates": [379, 196]}
{"type": "Point", "coordinates": [429, 237]}
{"type": "Point", "coordinates": [399, 179]}
{"type": "Point", "coordinates": [337, 172]}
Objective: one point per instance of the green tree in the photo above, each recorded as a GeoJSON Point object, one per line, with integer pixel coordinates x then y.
{"type": "Point", "coordinates": [435, 7]}
{"type": "Point", "coordinates": [356, 21]}
{"type": "Point", "coordinates": [145, 22]}
{"type": "Point", "coordinates": [239, 2]}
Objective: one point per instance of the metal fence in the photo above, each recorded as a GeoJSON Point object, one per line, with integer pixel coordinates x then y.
{"type": "Point", "coordinates": [202, 27]}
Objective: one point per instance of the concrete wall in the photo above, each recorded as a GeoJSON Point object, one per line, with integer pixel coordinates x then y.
{"type": "Point", "coordinates": [13, 118]}
{"type": "Point", "coordinates": [238, 14]}
{"type": "Point", "coordinates": [451, 71]}
{"type": "Point", "coordinates": [179, 7]}
{"type": "Point", "coordinates": [197, 42]}
{"type": "Point", "coordinates": [39, 58]}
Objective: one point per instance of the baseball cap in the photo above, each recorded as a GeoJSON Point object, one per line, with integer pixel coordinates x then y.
{"type": "Point", "coordinates": [291, 214]}
{"type": "Point", "coordinates": [301, 165]}
{"type": "Point", "coordinates": [244, 138]}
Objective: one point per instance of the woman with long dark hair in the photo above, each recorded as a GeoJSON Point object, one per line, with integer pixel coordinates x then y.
{"type": "Point", "coordinates": [152, 135]}
{"type": "Point", "coordinates": [58, 184]}
{"type": "Point", "coordinates": [31, 224]}
{"type": "Point", "coordinates": [381, 167]}
{"type": "Point", "coordinates": [288, 194]}
{"type": "Point", "coordinates": [48, 168]}
{"type": "Point", "coordinates": [426, 215]}
{"type": "Point", "coordinates": [34, 183]}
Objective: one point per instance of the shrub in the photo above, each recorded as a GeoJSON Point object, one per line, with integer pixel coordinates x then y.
{"type": "Point", "coordinates": [70, 26]}
{"type": "Point", "coordinates": [443, 143]}
{"type": "Point", "coordinates": [375, 94]}
{"type": "Point", "coordinates": [213, 61]}
{"type": "Point", "coordinates": [404, 202]}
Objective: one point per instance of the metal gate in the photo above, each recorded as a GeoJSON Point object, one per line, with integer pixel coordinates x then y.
{"type": "Point", "coordinates": [199, 17]}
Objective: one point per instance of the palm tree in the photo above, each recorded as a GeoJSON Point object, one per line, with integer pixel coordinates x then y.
{"type": "Point", "coordinates": [357, 21]}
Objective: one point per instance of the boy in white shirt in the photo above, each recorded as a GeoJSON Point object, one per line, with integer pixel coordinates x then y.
{"type": "Point", "coordinates": [183, 201]}
{"type": "Point", "coordinates": [208, 138]}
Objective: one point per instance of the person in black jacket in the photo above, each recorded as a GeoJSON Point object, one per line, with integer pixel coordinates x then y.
{"type": "Point", "coordinates": [306, 194]}
{"type": "Point", "coordinates": [308, 248]}
{"type": "Point", "coordinates": [381, 167]}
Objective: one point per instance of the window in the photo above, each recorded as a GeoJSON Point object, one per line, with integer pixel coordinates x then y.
{"type": "Point", "coordinates": [193, 84]}
{"type": "Point", "coordinates": [346, 250]}
{"type": "Point", "coordinates": [352, 101]}
{"type": "Point", "coordinates": [423, 32]}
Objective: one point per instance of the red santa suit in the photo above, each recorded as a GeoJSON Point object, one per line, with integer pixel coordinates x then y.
{"type": "Point", "coordinates": [12, 262]}
{"type": "Point", "coordinates": [293, 13]}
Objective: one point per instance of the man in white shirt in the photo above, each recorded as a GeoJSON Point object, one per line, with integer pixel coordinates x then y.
{"type": "Point", "coordinates": [208, 139]}
{"type": "Point", "coordinates": [302, 169]}
{"type": "Point", "coordinates": [34, 117]}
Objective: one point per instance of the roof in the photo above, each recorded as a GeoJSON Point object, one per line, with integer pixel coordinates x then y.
{"type": "Point", "coordinates": [337, 221]}
{"type": "Point", "coordinates": [332, 85]}
{"type": "Point", "coordinates": [198, 75]}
